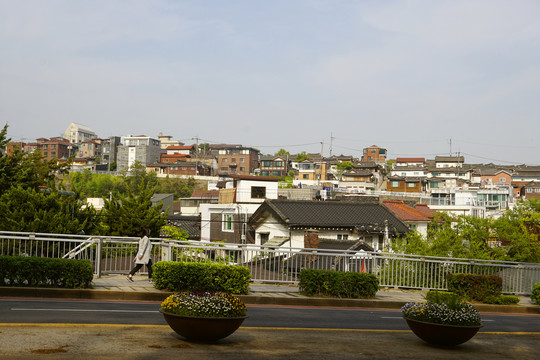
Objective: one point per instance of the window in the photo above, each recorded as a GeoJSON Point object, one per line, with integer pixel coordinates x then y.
{"type": "Point", "coordinates": [395, 183]}
{"type": "Point", "coordinates": [410, 184]}
{"type": "Point", "coordinates": [53, 153]}
{"type": "Point", "coordinates": [224, 160]}
{"type": "Point", "coordinates": [264, 238]}
{"type": "Point", "coordinates": [258, 192]}
{"type": "Point", "coordinates": [227, 222]}
{"type": "Point", "coordinates": [435, 184]}
{"type": "Point", "coordinates": [279, 163]}
{"type": "Point", "coordinates": [342, 236]}
{"type": "Point", "coordinates": [53, 146]}
{"type": "Point", "coordinates": [529, 190]}
{"type": "Point", "coordinates": [502, 180]}
{"type": "Point", "coordinates": [233, 160]}
{"type": "Point", "coordinates": [242, 160]}
{"type": "Point", "coordinates": [305, 176]}
{"type": "Point", "coordinates": [242, 168]}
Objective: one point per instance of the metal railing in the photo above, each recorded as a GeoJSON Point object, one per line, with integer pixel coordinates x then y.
{"type": "Point", "coordinates": [111, 255]}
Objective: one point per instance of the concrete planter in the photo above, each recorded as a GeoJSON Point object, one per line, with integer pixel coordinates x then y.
{"type": "Point", "coordinates": [203, 328]}
{"type": "Point", "coordinates": [440, 334]}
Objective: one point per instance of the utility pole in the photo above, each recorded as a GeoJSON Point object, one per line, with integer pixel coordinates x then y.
{"type": "Point", "coordinates": [331, 142]}
{"type": "Point", "coordinates": [450, 141]}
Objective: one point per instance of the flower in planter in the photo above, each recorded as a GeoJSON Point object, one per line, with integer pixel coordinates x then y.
{"type": "Point", "coordinates": [204, 304]}
{"type": "Point", "coordinates": [462, 314]}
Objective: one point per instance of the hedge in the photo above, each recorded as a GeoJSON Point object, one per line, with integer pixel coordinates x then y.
{"type": "Point", "coordinates": [535, 294]}
{"type": "Point", "coordinates": [45, 272]}
{"type": "Point", "coordinates": [473, 286]}
{"type": "Point", "coordinates": [196, 276]}
{"type": "Point", "coordinates": [337, 283]}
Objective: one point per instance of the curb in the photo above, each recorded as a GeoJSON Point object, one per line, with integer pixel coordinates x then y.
{"type": "Point", "coordinates": [158, 296]}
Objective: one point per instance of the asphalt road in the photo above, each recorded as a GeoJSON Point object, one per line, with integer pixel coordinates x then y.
{"type": "Point", "coordinates": [146, 313]}
{"type": "Point", "coordinates": [45, 329]}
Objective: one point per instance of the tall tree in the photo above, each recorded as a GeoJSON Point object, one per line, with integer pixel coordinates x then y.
{"type": "Point", "coordinates": [282, 152]}
{"type": "Point", "coordinates": [301, 157]}
{"type": "Point", "coordinates": [129, 215]}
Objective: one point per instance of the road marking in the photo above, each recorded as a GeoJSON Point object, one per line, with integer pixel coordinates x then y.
{"type": "Point", "coordinates": [87, 310]}
{"type": "Point", "coordinates": [252, 328]}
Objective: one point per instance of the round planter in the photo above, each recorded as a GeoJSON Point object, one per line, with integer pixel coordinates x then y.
{"type": "Point", "coordinates": [203, 328]}
{"type": "Point", "coordinates": [440, 334]}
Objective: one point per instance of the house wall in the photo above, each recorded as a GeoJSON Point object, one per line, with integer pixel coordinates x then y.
{"type": "Point", "coordinates": [402, 186]}
{"type": "Point", "coordinates": [271, 227]}
{"type": "Point", "coordinates": [244, 190]}
{"type": "Point", "coordinates": [500, 178]}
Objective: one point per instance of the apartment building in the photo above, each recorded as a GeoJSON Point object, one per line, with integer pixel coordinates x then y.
{"type": "Point", "coordinates": [143, 149]}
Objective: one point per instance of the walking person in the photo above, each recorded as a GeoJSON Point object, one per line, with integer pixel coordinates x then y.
{"type": "Point", "coordinates": [143, 256]}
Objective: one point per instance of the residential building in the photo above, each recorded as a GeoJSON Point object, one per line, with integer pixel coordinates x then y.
{"type": "Point", "coordinates": [531, 190]}
{"type": "Point", "coordinates": [239, 197]}
{"type": "Point", "coordinates": [298, 224]}
{"type": "Point", "coordinates": [90, 150]}
{"type": "Point", "coordinates": [414, 218]}
{"type": "Point", "coordinates": [55, 148]}
{"type": "Point", "coordinates": [182, 150]}
{"type": "Point", "coordinates": [11, 147]}
{"type": "Point", "coordinates": [191, 205]}
{"type": "Point", "coordinates": [143, 149]}
{"type": "Point", "coordinates": [272, 165]}
{"type": "Point", "coordinates": [404, 184]}
{"type": "Point", "coordinates": [374, 153]}
{"type": "Point", "coordinates": [237, 160]}
{"type": "Point", "coordinates": [179, 168]}
{"type": "Point", "coordinates": [77, 133]}
{"type": "Point", "coordinates": [109, 151]}
{"type": "Point", "coordinates": [409, 167]}
{"type": "Point", "coordinates": [311, 172]}
{"type": "Point", "coordinates": [166, 141]}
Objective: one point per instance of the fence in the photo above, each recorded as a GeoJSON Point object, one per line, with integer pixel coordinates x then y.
{"type": "Point", "coordinates": [111, 255]}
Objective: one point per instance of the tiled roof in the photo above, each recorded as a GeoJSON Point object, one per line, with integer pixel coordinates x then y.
{"type": "Point", "coordinates": [405, 212]}
{"type": "Point", "coordinates": [424, 209]}
{"type": "Point", "coordinates": [192, 224]}
{"type": "Point", "coordinates": [414, 160]}
{"type": "Point", "coordinates": [330, 214]}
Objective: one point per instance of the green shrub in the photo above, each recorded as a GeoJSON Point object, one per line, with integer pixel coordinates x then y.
{"type": "Point", "coordinates": [45, 272]}
{"type": "Point", "coordinates": [196, 276]}
{"type": "Point", "coordinates": [451, 299]}
{"type": "Point", "coordinates": [473, 286]}
{"type": "Point", "coordinates": [338, 283]}
{"type": "Point", "coordinates": [535, 294]}
{"type": "Point", "coordinates": [501, 299]}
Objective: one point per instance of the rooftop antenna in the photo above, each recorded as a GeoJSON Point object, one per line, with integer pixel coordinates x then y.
{"type": "Point", "coordinates": [450, 141]}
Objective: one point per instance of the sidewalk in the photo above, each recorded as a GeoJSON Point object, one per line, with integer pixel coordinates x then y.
{"type": "Point", "coordinates": [117, 287]}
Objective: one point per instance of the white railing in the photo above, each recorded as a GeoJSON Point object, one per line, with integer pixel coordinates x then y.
{"type": "Point", "coordinates": [271, 264]}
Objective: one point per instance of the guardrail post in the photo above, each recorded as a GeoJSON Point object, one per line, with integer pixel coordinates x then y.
{"type": "Point", "coordinates": [98, 257]}
{"type": "Point", "coordinates": [166, 253]}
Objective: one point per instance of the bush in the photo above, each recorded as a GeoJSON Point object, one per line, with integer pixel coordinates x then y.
{"type": "Point", "coordinates": [196, 276]}
{"type": "Point", "coordinates": [535, 294]}
{"type": "Point", "coordinates": [501, 299]}
{"type": "Point", "coordinates": [474, 287]}
{"type": "Point", "coordinates": [338, 283]}
{"type": "Point", "coordinates": [444, 297]}
{"type": "Point", "coordinates": [45, 272]}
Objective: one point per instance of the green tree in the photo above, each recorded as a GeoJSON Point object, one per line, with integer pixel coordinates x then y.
{"type": "Point", "coordinates": [519, 231]}
{"type": "Point", "coordinates": [301, 157]}
{"type": "Point", "coordinates": [171, 232]}
{"type": "Point", "coordinates": [137, 178]}
{"type": "Point", "coordinates": [32, 210]}
{"type": "Point", "coordinates": [343, 166]}
{"type": "Point", "coordinates": [282, 152]}
{"type": "Point", "coordinates": [129, 215]}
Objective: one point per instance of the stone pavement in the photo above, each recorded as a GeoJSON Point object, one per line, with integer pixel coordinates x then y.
{"type": "Point", "coordinates": [117, 287]}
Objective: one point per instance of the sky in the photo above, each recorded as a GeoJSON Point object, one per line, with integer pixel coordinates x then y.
{"type": "Point", "coordinates": [419, 78]}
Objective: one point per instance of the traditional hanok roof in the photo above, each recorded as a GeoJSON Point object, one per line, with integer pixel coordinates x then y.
{"type": "Point", "coordinates": [330, 215]}
{"type": "Point", "coordinates": [192, 224]}
{"type": "Point", "coordinates": [405, 212]}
